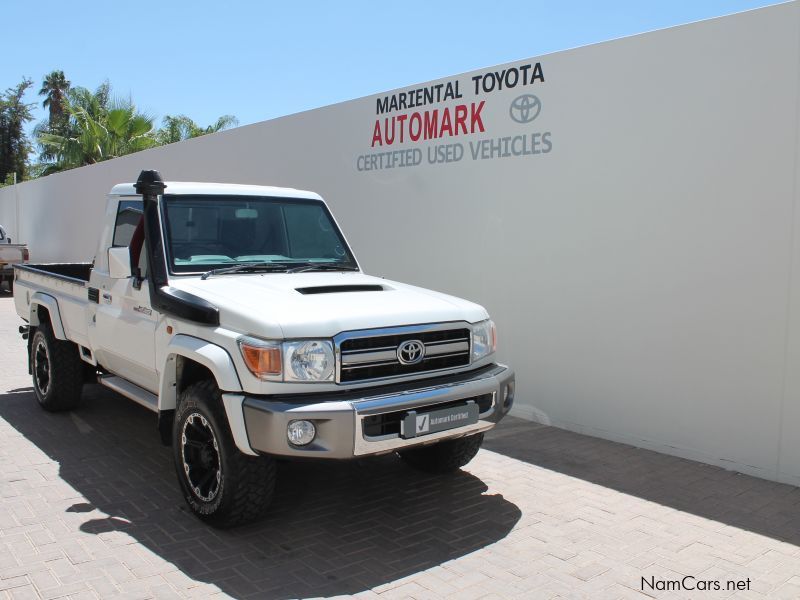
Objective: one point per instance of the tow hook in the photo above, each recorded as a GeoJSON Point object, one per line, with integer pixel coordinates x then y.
{"type": "Point", "coordinates": [24, 330]}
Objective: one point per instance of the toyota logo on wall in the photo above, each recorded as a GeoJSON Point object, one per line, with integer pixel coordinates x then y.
{"type": "Point", "coordinates": [410, 352]}
{"type": "Point", "coordinates": [525, 108]}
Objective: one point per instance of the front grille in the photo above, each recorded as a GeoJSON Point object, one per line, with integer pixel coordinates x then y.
{"type": "Point", "coordinates": [389, 423]}
{"type": "Point", "coordinates": [375, 357]}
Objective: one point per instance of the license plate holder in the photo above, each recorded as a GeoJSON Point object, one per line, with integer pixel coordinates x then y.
{"type": "Point", "coordinates": [421, 423]}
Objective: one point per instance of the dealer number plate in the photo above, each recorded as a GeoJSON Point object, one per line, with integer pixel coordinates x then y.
{"type": "Point", "coordinates": [417, 424]}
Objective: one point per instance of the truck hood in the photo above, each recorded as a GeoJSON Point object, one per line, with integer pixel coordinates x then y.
{"type": "Point", "coordinates": [270, 305]}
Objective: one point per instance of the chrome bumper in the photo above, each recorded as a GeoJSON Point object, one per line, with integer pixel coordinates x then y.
{"type": "Point", "coordinates": [340, 421]}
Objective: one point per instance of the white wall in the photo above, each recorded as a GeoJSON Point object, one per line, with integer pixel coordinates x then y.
{"type": "Point", "coordinates": [644, 274]}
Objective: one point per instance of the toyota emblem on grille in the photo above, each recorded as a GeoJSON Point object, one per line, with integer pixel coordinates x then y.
{"type": "Point", "coordinates": [410, 352]}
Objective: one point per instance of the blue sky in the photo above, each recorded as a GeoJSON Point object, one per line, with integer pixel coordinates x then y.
{"type": "Point", "coordinates": [258, 60]}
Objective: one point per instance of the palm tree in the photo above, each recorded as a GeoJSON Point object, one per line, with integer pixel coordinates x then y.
{"type": "Point", "coordinates": [54, 89]}
{"type": "Point", "coordinates": [181, 127]}
{"type": "Point", "coordinates": [97, 128]}
{"type": "Point", "coordinates": [175, 129]}
{"type": "Point", "coordinates": [127, 130]}
{"type": "Point", "coordinates": [224, 122]}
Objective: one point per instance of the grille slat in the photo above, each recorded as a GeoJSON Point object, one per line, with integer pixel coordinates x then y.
{"type": "Point", "coordinates": [374, 357]}
{"type": "Point", "coordinates": [368, 350]}
{"type": "Point", "coordinates": [466, 339]}
{"type": "Point", "coordinates": [446, 348]}
{"type": "Point", "coordinates": [377, 363]}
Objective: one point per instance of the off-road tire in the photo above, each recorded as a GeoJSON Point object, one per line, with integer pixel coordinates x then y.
{"type": "Point", "coordinates": [246, 483]}
{"type": "Point", "coordinates": [56, 369]}
{"type": "Point", "coordinates": [443, 457]}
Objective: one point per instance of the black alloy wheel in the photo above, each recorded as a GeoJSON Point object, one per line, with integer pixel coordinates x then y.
{"type": "Point", "coordinates": [41, 366]}
{"type": "Point", "coordinates": [201, 460]}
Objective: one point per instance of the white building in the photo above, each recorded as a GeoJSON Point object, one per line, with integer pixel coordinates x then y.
{"type": "Point", "coordinates": [626, 212]}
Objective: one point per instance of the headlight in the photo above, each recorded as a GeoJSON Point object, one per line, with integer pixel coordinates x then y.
{"type": "Point", "coordinates": [308, 360]}
{"type": "Point", "coordinates": [484, 339]}
{"type": "Point", "coordinates": [304, 360]}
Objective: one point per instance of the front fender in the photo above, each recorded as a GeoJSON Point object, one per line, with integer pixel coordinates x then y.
{"type": "Point", "coordinates": [215, 358]}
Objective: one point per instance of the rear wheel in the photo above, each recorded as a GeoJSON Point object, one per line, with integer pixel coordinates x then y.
{"type": "Point", "coordinates": [57, 371]}
{"type": "Point", "coordinates": [443, 457]}
{"type": "Point", "coordinates": [221, 485]}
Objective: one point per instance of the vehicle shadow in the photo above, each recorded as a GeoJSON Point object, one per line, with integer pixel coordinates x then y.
{"type": "Point", "coordinates": [757, 505]}
{"type": "Point", "coordinates": [334, 528]}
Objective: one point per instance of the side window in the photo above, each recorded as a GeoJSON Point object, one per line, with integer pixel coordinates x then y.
{"type": "Point", "coordinates": [128, 214]}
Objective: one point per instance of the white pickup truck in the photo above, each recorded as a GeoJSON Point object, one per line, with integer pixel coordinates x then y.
{"type": "Point", "coordinates": [240, 316]}
{"type": "Point", "coordinates": [10, 255]}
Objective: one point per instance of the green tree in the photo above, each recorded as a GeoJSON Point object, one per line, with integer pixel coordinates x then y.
{"type": "Point", "coordinates": [54, 89]}
{"type": "Point", "coordinates": [14, 144]}
{"type": "Point", "coordinates": [181, 127]}
{"type": "Point", "coordinates": [97, 128]}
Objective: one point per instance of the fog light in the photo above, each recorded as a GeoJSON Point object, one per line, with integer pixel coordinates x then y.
{"type": "Point", "coordinates": [301, 433]}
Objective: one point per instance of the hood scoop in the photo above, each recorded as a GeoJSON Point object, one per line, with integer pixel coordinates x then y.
{"type": "Point", "coordinates": [338, 289]}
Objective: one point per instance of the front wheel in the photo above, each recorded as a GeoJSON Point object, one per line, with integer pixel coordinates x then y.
{"type": "Point", "coordinates": [443, 457]}
{"type": "Point", "coordinates": [221, 485]}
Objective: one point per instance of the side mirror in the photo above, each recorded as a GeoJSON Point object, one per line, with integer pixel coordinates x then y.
{"type": "Point", "coordinates": [119, 262]}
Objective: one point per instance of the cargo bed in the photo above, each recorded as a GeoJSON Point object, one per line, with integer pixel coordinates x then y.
{"type": "Point", "coordinates": [68, 282]}
{"type": "Point", "coordinates": [75, 272]}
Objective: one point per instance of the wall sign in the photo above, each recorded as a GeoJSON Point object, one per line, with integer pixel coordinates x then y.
{"type": "Point", "coordinates": [427, 124]}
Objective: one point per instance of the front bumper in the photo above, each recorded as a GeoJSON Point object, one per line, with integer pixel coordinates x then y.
{"type": "Point", "coordinates": [367, 422]}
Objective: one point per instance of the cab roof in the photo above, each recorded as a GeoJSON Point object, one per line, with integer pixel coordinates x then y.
{"type": "Point", "coordinates": [219, 189]}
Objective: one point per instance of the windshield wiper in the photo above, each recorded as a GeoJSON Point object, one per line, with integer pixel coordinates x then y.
{"type": "Point", "coordinates": [322, 267]}
{"type": "Point", "coordinates": [263, 266]}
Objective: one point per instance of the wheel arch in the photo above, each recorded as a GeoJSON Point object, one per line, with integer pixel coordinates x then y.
{"type": "Point", "coordinates": [190, 359]}
{"type": "Point", "coordinates": [44, 302]}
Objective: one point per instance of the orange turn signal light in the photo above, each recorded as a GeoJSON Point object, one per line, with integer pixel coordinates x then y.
{"type": "Point", "coordinates": [263, 361]}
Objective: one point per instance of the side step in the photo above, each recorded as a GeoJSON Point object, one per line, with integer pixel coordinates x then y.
{"type": "Point", "coordinates": [130, 390]}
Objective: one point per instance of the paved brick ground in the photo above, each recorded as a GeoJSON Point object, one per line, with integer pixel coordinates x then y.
{"type": "Point", "coordinates": [89, 508]}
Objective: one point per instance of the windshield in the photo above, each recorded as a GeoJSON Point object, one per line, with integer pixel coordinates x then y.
{"type": "Point", "coordinates": [205, 232]}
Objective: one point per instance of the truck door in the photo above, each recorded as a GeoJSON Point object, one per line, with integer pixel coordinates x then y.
{"type": "Point", "coordinates": [126, 322]}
